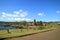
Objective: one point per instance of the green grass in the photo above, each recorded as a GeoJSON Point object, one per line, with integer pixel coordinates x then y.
{"type": "Point", "coordinates": [17, 32]}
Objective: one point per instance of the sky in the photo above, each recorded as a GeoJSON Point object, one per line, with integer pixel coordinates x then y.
{"type": "Point", "coordinates": [28, 10]}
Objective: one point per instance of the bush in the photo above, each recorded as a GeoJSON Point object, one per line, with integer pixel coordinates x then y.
{"type": "Point", "coordinates": [30, 27]}
{"type": "Point", "coordinates": [41, 27]}
{"type": "Point", "coordinates": [34, 28]}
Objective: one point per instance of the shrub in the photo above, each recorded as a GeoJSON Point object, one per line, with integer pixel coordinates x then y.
{"type": "Point", "coordinates": [41, 27]}
{"type": "Point", "coordinates": [34, 28]}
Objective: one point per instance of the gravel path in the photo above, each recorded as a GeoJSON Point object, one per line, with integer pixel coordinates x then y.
{"type": "Point", "coordinates": [51, 35]}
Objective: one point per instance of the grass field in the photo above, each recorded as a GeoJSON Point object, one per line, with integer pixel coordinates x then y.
{"type": "Point", "coordinates": [17, 32]}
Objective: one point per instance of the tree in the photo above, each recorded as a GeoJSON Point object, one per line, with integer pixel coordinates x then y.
{"type": "Point", "coordinates": [21, 27]}
{"type": "Point", "coordinates": [23, 23]}
{"type": "Point", "coordinates": [27, 26]}
{"type": "Point", "coordinates": [7, 26]}
{"type": "Point", "coordinates": [41, 23]}
{"type": "Point", "coordinates": [35, 22]}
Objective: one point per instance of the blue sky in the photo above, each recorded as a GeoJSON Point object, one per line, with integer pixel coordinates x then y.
{"type": "Point", "coordinates": [19, 10]}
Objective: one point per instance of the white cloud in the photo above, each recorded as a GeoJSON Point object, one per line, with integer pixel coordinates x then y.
{"type": "Point", "coordinates": [22, 19]}
{"type": "Point", "coordinates": [19, 13]}
{"type": "Point", "coordinates": [41, 14]}
{"type": "Point", "coordinates": [16, 16]}
{"type": "Point", "coordinates": [58, 11]}
{"type": "Point", "coordinates": [16, 12]}
{"type": "Point", "coordinates": [19, 19]}
{"type": "Point", "coordinates": [6, 14]}
{"type": "Point", "coordinates": [3, 14]}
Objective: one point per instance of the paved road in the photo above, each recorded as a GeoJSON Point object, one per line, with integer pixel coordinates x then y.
{"type": "Point", "coordinates": [51, 35]}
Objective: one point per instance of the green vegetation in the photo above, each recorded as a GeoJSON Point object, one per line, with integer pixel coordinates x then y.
{"type": "Point", "coordinates": [15, 32]}
{"type": "Point", "coordinates": [27, 28]}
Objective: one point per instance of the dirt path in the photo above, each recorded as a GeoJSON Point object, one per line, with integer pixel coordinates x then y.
{"type": "Point", "coordinates": [51, 35]}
